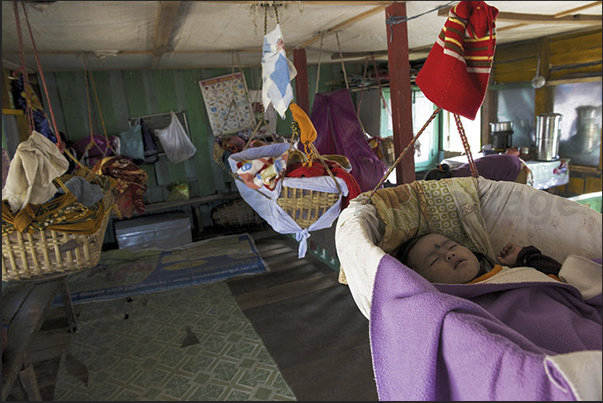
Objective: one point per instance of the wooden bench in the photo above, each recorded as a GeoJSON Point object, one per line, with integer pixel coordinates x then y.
{"type": "Point", "coordinates": [24, 308]}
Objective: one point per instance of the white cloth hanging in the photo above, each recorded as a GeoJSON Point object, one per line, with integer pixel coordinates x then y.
{"type": "Point", "coordinates": [37, 163]}
{"type": "Point", "coordinates": [175, 142]}
{"type": "Point", "coordinates": [277, 73]}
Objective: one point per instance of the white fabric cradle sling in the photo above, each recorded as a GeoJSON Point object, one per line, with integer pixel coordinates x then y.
{"type": "Point", "coordinates": [519, 339]}
{"type": "Point", "coordinates": [268, 208]}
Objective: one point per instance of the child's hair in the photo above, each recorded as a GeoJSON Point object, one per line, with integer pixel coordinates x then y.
{"type": "Point", "coordinates": [402, 254]}
{"type": "Point", "coordinates": [439, 172]}
{"type": "Point", "coordinates": [404, 249]}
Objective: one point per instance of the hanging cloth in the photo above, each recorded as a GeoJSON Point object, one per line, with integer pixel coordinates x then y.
{"type": "Point", "coordinates": [456, 73]}
{"type": "Point", "coordinates": [175, 142]}
{"type": "Point", "coordinates": [37, 162]}
{"type": "Point", "coordinates": [277, 73]}
{"type": "Point", "coordinates": [339, 132]}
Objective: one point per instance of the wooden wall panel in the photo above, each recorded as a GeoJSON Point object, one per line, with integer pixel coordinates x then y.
{"type": "Point", "coordinates": [166, 100]}
{"type": "Point", "coordinates": [113, 101]}
{"type": "Point", "coordinates": [570, 56]}
{"type": "Point", "coordinates": [55, 102]}
{"type": "Point", "coordinates": [72, 93]}
{"type": "Point", "coordinates": [577, 56]}
{"type": "Point", "coordinates": [199, 126]}
{"type": "Point", "coordinates": [576, 42]}
{"type": "Point", "coordinates": [136, 93]}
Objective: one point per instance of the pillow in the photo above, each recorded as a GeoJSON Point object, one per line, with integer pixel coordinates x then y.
{"type": "Point", "coordinates": [449, 207]}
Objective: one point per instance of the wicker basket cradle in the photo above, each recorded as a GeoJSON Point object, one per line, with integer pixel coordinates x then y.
{"type": "Point", "coordinates": [305, 206]}
{"type": "Point", "coordinates": [30, 256]}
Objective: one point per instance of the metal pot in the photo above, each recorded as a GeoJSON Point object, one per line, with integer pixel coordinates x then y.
{"type": "Point", "coordinates": [501, 127]}
{"type": "Point", "coordinates": [548, 128]}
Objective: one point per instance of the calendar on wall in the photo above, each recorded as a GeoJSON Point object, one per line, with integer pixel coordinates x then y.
{"type": "Point", "coordinates": [227, 103]}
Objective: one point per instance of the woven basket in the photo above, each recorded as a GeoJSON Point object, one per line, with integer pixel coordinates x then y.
{"type": "Point", "coordinates": [235, 213]}
{"type": "Point", "coordinates": [29, 256]}
{"type": "Point", "coordinates": [305, 206]}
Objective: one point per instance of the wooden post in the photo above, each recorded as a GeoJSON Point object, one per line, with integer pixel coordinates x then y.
{"type": "Point", "coordinates": [399, 84]}
{"type": "Point", "coordinates": [68, 304]}
{"type": "Point", "coordinates": [301, 80]}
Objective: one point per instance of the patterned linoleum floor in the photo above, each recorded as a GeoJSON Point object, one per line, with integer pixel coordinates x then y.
{"type": "Point", "coordinates": [192, 343]}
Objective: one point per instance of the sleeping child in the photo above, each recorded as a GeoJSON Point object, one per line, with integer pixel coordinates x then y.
{"type": "Point", "coordinates": [441, 260]}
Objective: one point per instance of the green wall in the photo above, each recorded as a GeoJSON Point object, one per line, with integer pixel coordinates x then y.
{"type": "Point", "coordinates": [125, 94]}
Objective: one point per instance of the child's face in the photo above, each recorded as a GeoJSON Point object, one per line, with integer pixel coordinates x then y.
{"type": "Point", "coordinates": [441, 260]}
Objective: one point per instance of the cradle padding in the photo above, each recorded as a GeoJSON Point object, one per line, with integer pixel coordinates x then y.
{"type": "Point", "coordinates": [449, 207]}
{"type": "Point", "coordinates": [512, 212]}
{"type": "Point", "coordinates": [580, 370]}
{"type": "Point", "coordinates": [357, 234]}
{"type": "Point", "coordinates": [523, 215]}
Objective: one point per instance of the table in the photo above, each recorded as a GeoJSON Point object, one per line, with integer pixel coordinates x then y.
{"type": "Point", "coordinates": [24, 308]}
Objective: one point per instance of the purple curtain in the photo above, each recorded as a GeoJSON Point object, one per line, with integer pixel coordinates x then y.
{"type": "Point", "coordinates": [339, 132]}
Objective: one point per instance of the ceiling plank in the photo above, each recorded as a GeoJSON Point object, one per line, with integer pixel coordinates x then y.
{"type": "Point", "coordinates": [574, 10]}
{"type": "Point", "coordinates": [540, 18]}
{"type": "Point", "coordinates": [305, 3]}
{"type": "Point", "coordinates": [378, 53]}
{"type": "Point", "coordinates": [510, 27]}
{"type": "Point", "coordinates": [164, 24]}
{"type": "Point", "coordinates": [341, 26]}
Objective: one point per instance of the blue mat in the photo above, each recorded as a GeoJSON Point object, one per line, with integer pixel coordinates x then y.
{"type": "Point", "coordinates": [124, 273]}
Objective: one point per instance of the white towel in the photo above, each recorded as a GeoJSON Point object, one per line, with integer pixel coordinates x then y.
{"type": "Point", "coordinates": [37, 163]}
{"type": "Point", "coordinates": [277, 73]}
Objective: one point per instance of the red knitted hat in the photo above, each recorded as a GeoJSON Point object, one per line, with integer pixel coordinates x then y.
{"type": "Point", "coordinates": [456, 72]}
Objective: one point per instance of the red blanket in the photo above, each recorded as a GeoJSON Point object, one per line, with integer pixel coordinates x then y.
{"type": "Point", "coordinates": [297, 170]}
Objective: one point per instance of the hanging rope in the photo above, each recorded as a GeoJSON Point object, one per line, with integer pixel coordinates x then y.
{"type": "Point", "coordinates": [92, 142]}
{"type": "Point", "coordinates": [345, 75]}
{"type": "Point", "coordinates": [361, 89]}
{"type": "Point", "coordinates": [379, 82]}
{"type": "Point", "coordinates": [318, 66]}
{"type": "Point", "coordinates": [100, 112]}
{"type": "Point", "coordinates": [459, 126]}
{"type": "Point", "coordinates": [23, 69]}
{"type": "Point", "coordinates": [59, 142]}
{"type": "Point", "coordinates": [408, 147]}
{"type": "Point", "coordinates": [33, 42]}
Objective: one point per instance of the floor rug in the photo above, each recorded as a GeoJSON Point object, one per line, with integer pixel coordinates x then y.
{"type": "Point", "coordinates": [191, 343]}
{"type": "Point", "coordinates": [124, 272]}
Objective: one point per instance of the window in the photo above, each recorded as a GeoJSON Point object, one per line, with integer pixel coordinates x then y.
{"type": "Point", "coordinates": [427, 146]}
{"type": "Point", "coordinates": [452, 138]}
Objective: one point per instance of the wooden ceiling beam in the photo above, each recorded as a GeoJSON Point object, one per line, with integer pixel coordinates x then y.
{"type": "Point", "coordinates": [540, 18]}
{"type": "Point", "coordinates": [575, 10]}
{"type": "Point", "coordinates": [341, 26]}
{"type": "Point", "coordinates": [164, 24]}
{"type": "Point", "coordinates": [305, 3]}
{"type": "Point", "coordinates": [378, 53]}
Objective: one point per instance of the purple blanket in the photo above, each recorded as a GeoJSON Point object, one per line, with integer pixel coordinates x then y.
{"type": "Point", "coordinates": [475, 342]}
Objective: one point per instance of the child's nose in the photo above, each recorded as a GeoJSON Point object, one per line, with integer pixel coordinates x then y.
{"type": "Point", "coordinates": [450, 255]}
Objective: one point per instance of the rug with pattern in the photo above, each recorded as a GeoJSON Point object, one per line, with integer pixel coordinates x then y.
{"type": "Point", "coordinates": [123, 273]}
{"type": "Point", "coordinates": [190, 343]}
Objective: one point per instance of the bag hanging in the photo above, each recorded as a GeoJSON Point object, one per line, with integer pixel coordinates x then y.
{"type": "Point", "coordinates": [175, 142]}
{"type": "Point", "coordinates": [131, 142]}
{"type": "Point", "coordinates": [151, 151]}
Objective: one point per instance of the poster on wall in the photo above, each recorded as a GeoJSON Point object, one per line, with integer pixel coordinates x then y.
{"type": "Point", "coordinates": [227, 103]}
